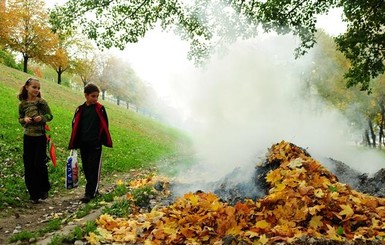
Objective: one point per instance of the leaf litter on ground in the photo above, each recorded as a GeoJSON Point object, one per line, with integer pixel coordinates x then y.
{"type": "Point", "coordinates": [304, 202]}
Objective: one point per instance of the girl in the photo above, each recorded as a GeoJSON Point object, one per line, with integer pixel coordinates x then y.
{"type": "Point", "coordinates": [34, 112]}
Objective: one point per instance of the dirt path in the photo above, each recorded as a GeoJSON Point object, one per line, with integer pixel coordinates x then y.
{"type": "Point", "coordinates": [67, 229]}
{"type": "Point", "coordinates": [35, 216]}
{"type": "Point", "coordinates": [62, 205]}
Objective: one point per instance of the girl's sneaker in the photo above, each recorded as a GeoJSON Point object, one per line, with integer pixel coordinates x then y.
{"type": "Point", "coordinates": [44, 195]}
{"type": "Point", "coordinates": [34, 201]}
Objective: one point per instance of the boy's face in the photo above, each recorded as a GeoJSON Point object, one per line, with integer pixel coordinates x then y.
{"type": "Point", "coordinates": [92, 98]}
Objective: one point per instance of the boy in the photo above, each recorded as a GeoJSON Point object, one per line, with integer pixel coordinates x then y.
{"type": "Point", "coordinates": [89, 132]}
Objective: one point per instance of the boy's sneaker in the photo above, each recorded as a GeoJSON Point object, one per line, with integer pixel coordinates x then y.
{"type": "Point", "coordinates": [85, 199]}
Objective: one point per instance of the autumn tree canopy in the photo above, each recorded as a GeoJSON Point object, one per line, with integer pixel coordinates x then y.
{"type": "Point", "coordinates": [71, 49]}
{"type": "Point", "coordinates": [120, 80]}
{"type": "Point", "coordinates": [209, 24]}
{"type": "Point", "coordinates": [25, 30]}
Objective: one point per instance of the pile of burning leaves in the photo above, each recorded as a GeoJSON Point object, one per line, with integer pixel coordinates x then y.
{"type": "Point", "coordinates": [304, 200]}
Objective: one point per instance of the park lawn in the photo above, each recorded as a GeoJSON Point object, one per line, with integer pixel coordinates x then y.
{"type": "Point", "coordinates": [138, 141]}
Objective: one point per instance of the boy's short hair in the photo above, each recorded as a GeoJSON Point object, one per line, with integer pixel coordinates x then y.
{"type": "Point", "coordinates": [90, 88]}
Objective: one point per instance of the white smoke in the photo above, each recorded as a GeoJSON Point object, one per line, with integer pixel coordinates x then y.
{"type": "Point", "coordinates": [245, 101]}
{"type": "Point", "coordinates": [252, 98]}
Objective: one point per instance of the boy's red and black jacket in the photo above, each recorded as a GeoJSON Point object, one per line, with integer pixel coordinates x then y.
{"type": "Point", "coordinates": [104, 133]}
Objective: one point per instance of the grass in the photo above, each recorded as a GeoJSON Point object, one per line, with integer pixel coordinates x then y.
{"type": "Point", "coordinates": [139, 142]}
{"type": "Point", "coordinates": [52, 225]}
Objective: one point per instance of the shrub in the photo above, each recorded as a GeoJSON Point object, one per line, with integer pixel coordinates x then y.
{"type": "Point", "coordinates": [7, 59]}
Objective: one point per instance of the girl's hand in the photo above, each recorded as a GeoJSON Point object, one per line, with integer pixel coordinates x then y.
{"type": "Point", "coordinates": [37, 119]}
{"type": "Point", "coordinates": [28, 119]}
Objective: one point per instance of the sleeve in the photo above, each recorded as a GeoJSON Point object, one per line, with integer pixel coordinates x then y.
{"type": "Point", "coordinates": [21, 114]}
{"type": "Point", "coordinates": [74, 117]}
{"type": "Point", "coordinates": [47, 114]}
{"type": "Point", "coordinates": [104, 112]}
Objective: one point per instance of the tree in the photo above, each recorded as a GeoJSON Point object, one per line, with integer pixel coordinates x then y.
{"type": "Point", "coordinates": [66, 55]}
{"type": "Point", "coordinates": [365, 111]}
{"type": "Point", "coordinates": [25, 30]}
{"type": "Point", "coordinates": [59, 62]}
{"type": "Point", "coordinates": [209, 23]}
{"type": "Point", "coordinates": [85, 68]}
{"type": "Point", "coordinates": [105, 74]}
{"type": "Point", "coordinates": [5, 23]}
{"type": "Point", "coordinates": [121, 81]}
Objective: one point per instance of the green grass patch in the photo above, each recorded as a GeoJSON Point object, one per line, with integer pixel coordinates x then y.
{"type": "Point", "coordinates": [120, 208]}
{"type": "Point", "coordinates": [77, 234]}
{"type": "Point", "coordinates": [52, 225]}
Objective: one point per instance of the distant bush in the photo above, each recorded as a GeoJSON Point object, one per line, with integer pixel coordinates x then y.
{"type": "Point", "coordinates": [7, 59]}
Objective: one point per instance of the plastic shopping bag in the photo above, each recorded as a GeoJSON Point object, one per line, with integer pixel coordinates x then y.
{"type": "Point", "coordinates": [72, 170]}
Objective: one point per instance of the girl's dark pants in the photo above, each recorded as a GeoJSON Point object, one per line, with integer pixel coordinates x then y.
{"type": "Point", "coordinates": [35, 165]}
{"type": "Point", "coordinates": [91, 162]}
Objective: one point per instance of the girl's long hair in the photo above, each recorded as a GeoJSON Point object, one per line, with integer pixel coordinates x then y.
{"type": "Point", "coordinates": [23, 95]}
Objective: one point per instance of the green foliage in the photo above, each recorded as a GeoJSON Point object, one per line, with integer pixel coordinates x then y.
{"type": "Point", "coordinates": [140, 197]}
{"type": "Point", "coordinates": [58, 240]}
{"type": "Point", "coordinates": [340, 230]}
{"type": "Point", "coordinates": [90, 226]}
{"type": "Point", "coordinates": [143, 195]}
{"type": "Point", "coordinates": [51, 226]}
{"type": "Point", "coordinates": [11, 171]}
{"type": "Point", "coordinates": [54, 225]}
{"type": "Point", "coordinates": [120, 208]}
{"type": "Point", "coordinates": [7, 59]}
{"type": "Point", "coordinates": [297, 17]}
{"type": "Point", "coordinates": [208, 24]}
{"type": "Point", "coordinates": [132, 19]}
{"type": "Point", "coordinates": [332, 188]}
{"type": "Point", "coordinates": [84, 211]}
{"type": "Point", "coordinates": [363, 42]}
{"type": "Point", "coordinates": [77, 234]}
{"type": "Point", "coordinates": [22, 236]}
{"type": "Point", "coordinates": [120, 190]}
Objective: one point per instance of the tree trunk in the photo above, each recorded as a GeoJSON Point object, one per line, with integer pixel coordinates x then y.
{"type": "Point", "coordinates": [84, 81]}
{"type": "Point", "coordinates": [367, 138]}
{"type": "Point", "coordinates": [25, 63]}
{"type": "Point", "coordinates": [373, 135]}
{"type": "Point", "coordinates": [59, 73]}
{"type": "Point", "coordinates": [381, 130]}
{"type": "Point", "coordinates": [103, 94]}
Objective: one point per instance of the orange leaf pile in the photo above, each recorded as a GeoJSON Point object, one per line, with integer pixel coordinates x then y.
{"type": "Point", "coordinates": [304, 199]}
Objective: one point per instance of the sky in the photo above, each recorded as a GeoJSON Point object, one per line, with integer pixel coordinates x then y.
{"type": "Point", "coordinates": [244, 102]}
{"type": "Point", "coordinates": [152, 50]}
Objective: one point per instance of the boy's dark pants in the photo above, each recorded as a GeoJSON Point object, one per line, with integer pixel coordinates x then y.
{"type": "Point", "coordinates": [35, 165]}
{"type": "Point", "coordinates": [91, 162]}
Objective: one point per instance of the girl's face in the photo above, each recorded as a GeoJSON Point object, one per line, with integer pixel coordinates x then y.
{"type": "Point", "coordinates": [33, 89]}
{"type": "Point", "coordinates": [92, 98]}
